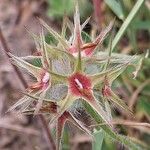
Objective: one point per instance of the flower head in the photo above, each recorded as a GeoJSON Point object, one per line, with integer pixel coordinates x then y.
{"type": "Point", "coordinates": [79, 83]}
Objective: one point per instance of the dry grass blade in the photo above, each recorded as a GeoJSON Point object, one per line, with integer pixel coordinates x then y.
{"type": "Point", "coordinates": [126, 123]}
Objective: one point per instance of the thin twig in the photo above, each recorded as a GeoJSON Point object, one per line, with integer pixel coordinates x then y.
{"type": "Point", "coordinates": [125, 122]}
{"type": "Point", "coordinates": [46, 128]}
{"type": "Point", "coordinates": [7, 50]}
{"type": "Point", "coordinates": [24, 83]}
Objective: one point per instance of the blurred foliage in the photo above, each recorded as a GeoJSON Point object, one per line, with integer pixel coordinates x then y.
{"type": "Point", "coordinates": [116, 7]}
{"type": "Point", "coordinates": [58, 8]}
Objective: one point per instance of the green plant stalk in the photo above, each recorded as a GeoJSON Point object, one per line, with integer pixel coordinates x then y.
{"type": "Point", "coordinates": [127, 22]}
{"type": "Point", "coordinates": [130, 32]}
{"type": "Point", "coordinates": [132, 37]}
{"type": "Point", "coordinates": [123, 139]}
{"type": "Point", "coordinates": [98, 142]}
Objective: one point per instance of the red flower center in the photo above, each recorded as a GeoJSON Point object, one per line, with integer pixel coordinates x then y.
{"type": "Point", "coordinates": [79, 83]}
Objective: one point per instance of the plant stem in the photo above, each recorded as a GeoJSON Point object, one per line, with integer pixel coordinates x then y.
{"type": "Point", "coordinates": [127, 22]}
{"type": "Point", "coordinates": [46, 129]}
{"type": "Point", "coordinates": [6, 50]}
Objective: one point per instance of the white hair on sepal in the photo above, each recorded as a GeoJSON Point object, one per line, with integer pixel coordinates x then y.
{"type": "Point", "coordinates": [79, 111]}
{"type": "Point", "coordinates": [57, 92]}
{"type": "Point", "coordinates": [62, 66]}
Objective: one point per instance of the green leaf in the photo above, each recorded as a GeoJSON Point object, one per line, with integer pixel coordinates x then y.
{"type": "Point", "coordinates": [98, 140]}
{"type": "Point", "coordinates": [109, 51]}
{"type": "Point", "coordinates": [99, 110]}
{"type": "Point", "coordinates": [127, 22]}
{"type": "Point", "coordinates": [108, 143]}
{"type": "Point", "coordinates": [142, 24]}
{"type": "Point", "coordinates": [116, 7]}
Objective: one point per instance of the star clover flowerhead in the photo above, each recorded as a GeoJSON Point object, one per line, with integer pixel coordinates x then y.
{"type": "Point", "coordinates": [74, 76]}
